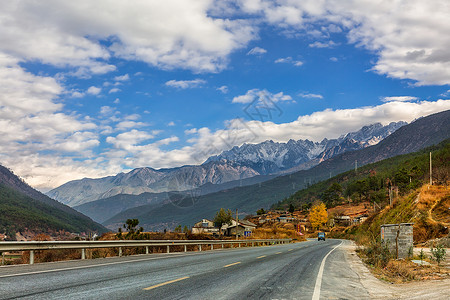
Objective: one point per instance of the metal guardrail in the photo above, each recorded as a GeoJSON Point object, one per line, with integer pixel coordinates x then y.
{"type": "Point", "coordinates": [83, 245]}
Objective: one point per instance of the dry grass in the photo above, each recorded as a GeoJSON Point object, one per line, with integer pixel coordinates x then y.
{"type": "Point", "coordinates": [399, 271]}
{"type": "Point", "coordinates": [431, 195]}
{"type": "Point", "coordinates": [277, 231]}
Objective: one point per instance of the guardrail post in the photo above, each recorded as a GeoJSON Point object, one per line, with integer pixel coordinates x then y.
{"type": "Point", "coordinates": [239, 245]}
{"type": "Point", "coordinates": [185, 248]}
{"type": "Point", "coordinates": [222, 246]}
{"type": "Point", "coordinates": [168, 249]}
{"type": "Point", "coordinates": [31, 257]}
{"type": "Point", "coordinates": [253, 244]}
{"type": "Point", "coordinates": [3, 258]}
{"type": "Point", "coordinates": [200, 247]}
{"type": "Point", "coordinates": [212, 247]}
{"type": "Point", "coordinates": [146, 249]}
{"type": "Point", "coordinates": [120, 251]}
{"type": "Point", "coordinates": [83, 253]}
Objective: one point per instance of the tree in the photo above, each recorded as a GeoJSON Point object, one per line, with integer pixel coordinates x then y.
{"type": "Point", "coordinates": [177, 229]}
{"type": "Point", "coordinates": [223, 217]}
{"type": "Point", "coordinates": [333, 194]}
{"type": "Point", "coordinates": [130, 225]}
{"type": "Point", "coordinates": [318, 215]}
{"type": "Point", "coordinates": [185, 229]}
{"type": "Point", "coordinates": [291, 208]}
{"type": "Point", "coordinates": [260, 211]}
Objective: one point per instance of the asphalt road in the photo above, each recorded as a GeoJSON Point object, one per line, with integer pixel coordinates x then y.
{"type": "Point", "coordinates": [291, 271]}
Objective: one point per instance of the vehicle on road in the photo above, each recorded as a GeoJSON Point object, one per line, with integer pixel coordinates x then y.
{"type": "Point", "coordinates": [321, 236]}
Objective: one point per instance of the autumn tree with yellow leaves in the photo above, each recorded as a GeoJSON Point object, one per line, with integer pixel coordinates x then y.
{"type": "Point", "coordinates": [318, 215]}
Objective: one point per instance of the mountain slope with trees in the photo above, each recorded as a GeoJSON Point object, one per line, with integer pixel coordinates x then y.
{"type": "Point", "coordinates": [24, 208]}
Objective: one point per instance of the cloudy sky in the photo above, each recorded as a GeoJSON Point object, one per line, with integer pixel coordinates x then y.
{"type": "Point", "coordinates": [93, 88]}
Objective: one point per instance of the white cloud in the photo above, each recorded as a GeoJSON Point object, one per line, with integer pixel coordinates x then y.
{"type": "Point", "coordinates": [35, 130]}
{"type": "Point", "coordinates": [257, 51]}
{"type": "Point", "coordinates": [289, 60]}
{"type": "Point", "coordinates": [107, 110]}
{"type": "Point", "coordinates": [116, 101]}
{"type": "Point", "coordinates": [316, 126]}
{"type": "Point", "coordinates": [171, 123]}
{"type": "Point", "coordinates": [124, 125]}
{"type": "Point", "coordinates": [328, 44]}
{"type": "Point", "coordinates": [77, 94]}
{"type": "Point", "coordinates": [122, 78]}
{"type": "Point", "coordinates": [334, 59]}
{"type": "Point", "coordinates": [399, 99]}
{"type": "Point", "coordinates": [114, 90]}
{"type": "Point", "coordinates": [410, 38]}
{"type": "Point", "coordinates": [178, 34]}
{"type": "Point", "coordinates": [445, 94]}
{"type": "Point", "coordinates": [309, 95]}
{"type": "Point", "coordinates": [185, 84]}
{"type": "Point", "coordinates": [93, 90]}
{"type": "Point", "coordinates": [127, 140]}
{"type": "Point", "coordinates": [254, 94]}
{"type": "Point", "coordinates": [223, 89]}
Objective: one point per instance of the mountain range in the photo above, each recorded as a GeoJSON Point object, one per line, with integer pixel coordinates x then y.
{"type": "Point", "coordinates": [188, 208]}
{"type": "Point", "coordinates": [259, 161]}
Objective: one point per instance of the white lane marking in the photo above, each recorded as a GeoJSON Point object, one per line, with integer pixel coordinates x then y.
{"type": "Point", "coordinates": [93, 266]}
{"type": "Point", "coordinates": [316, 295]}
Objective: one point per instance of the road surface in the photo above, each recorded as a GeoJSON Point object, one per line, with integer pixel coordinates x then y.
{"type": "Point", "coordinates": [307, 270]}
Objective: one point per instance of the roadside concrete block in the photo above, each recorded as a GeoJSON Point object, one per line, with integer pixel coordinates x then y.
{"type": "Point", "coordinates": [398, 238]}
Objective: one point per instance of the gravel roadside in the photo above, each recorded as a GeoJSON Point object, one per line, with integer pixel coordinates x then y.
{"type": "Point", "coordinates": [377, 289]}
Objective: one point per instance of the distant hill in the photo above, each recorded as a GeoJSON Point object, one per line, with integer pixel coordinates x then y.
{"type": "Point", "coordinates": [22, 207]}
{"type": "Point", "coordinates": [424, 132]}
{"type": "Point", "coordinates": [103, 209]}
{"type": "Point", "coordinates": [235, 166]}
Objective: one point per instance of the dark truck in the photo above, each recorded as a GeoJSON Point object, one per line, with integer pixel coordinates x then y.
{"type": "Point", "coordinates": [321, 236]}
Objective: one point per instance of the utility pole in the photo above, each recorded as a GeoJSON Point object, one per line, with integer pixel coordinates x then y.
{"type": "Point", "coordinates": [431, 172]}
{"type": "Point", "coordinates": [237, 223]}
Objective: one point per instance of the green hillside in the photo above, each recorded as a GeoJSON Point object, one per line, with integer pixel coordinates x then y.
{"type": "Point", "coordinates": [19, 212]}
{"type": "Point", "coordinates": [371, 181]}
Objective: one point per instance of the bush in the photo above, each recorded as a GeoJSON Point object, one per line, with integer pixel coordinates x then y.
{"type": "Point", "coordinates": [438, 254]}
{"type": "Point", "coordinates": [377, 254]}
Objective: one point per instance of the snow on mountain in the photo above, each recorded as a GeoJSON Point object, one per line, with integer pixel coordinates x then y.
{"type": "Point", "coordinates": [272, 157]}
{"type": "Point", "coordinates": [240, 162]}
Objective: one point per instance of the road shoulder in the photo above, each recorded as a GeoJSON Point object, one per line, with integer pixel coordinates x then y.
{"type": "Point", "coordinates": [377, 289]}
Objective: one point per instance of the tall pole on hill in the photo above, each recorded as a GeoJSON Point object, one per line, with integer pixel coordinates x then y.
{"type": "Point", "coordinates": [431, 172]}
{"type": "Point", "coordinates": [237, 223]}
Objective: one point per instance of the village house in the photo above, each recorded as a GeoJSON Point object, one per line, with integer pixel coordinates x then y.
{"type": "Point", "coordinates": [240, 228]}
{"type": "Point", "coordinates": [205, 226]}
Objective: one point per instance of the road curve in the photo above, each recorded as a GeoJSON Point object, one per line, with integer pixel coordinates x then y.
{"type": "Point", "coordinates": [271, 272]}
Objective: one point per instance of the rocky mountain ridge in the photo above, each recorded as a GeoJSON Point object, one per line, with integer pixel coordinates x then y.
{"type": "Point", "coordinates": [246, 161]}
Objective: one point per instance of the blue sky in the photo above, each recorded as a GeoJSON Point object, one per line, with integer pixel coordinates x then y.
{"type": "Point", "coordinates": [90, 89]}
